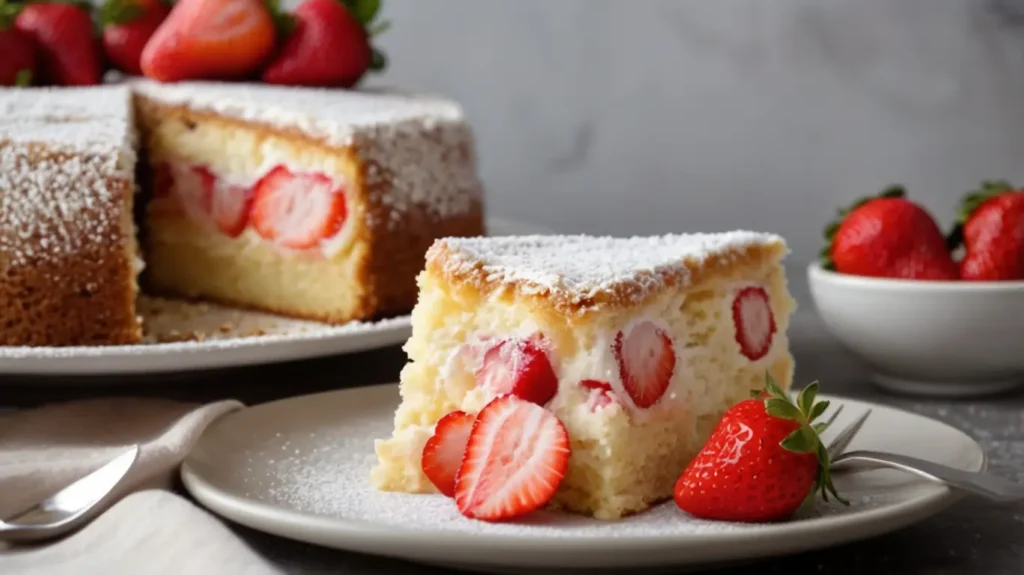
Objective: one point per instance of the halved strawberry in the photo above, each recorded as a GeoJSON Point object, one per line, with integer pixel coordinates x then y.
{"type": "Point", "coordinates": [754, 322]}
{"type": "Point", "coordinates": [519, 367]}
{"type": "Point", "coordinates": [601, 393]}
{"type": "Point", "coordinates": [443, 452]}
{"type": "Point", "coordinates": [192, 187]}
{"type": "Point", "coordinates": [230, 207]}
{"type": "Point", "coordinates": [646, 361]}
{"type": "Point", "coordinates": [297, 210]}
{"type": "Point", "coordinates": [515, 461]}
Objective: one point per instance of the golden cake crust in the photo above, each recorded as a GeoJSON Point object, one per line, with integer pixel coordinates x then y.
{"type": "Point", "coordinates": [457, 262]}
{"type": "Point", "coordinates": [67, 269]}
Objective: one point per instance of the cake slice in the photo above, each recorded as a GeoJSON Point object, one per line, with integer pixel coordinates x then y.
{"type": "Point", "coordinates": [637, 345]}
{"type": "Point", "coordinates": [312, 203]}
{"type": "Point", "coordinates": [68, 258]}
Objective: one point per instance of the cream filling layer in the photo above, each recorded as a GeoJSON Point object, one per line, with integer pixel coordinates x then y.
{"type": "Point", "coordinates": [188, 202]}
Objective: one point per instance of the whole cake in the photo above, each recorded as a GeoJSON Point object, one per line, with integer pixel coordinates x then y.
{"type": "Point", "coordinates": [612, 358]}
{"type": "Point", "coordinates": [307, 202]}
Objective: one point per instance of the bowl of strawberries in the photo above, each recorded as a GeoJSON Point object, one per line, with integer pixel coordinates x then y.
{"type": "Point", "coordinates": [931, 313]}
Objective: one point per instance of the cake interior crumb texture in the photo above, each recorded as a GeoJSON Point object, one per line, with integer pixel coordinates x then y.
{"type": "Point", "coordinates": [400, 171]}
{"type": "Point", "coordinates": [579, 295]}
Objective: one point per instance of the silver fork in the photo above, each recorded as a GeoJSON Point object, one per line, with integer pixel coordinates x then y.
{"type": "Point", "coordinates": [70, 507]}
{"type": "Point", "coordinates": [983, 484]}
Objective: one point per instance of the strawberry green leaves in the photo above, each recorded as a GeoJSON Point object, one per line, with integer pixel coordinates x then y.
{"type": "Point", "coordinates": [807, 437]}
{"type": "Point", "coordinates": [366, 12]}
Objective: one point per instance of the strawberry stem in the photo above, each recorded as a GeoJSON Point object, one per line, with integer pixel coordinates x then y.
{"type": "Point", "coordinates": [23, 78]}
{"type": "Point", "coordinates": [283, 21]}
{"type": "Point", "coordinates": [807, 437]}
{"type": "Point", "coordinates": [825, 256]}
{"type": "Point", "coordinates": [970, 204]}
{"type": "Point", "coordinates": [364, 10]}
{"type": "Point", "coordinates": [8, 12]}
{"type": "Point", "coordinates": [116, 12]}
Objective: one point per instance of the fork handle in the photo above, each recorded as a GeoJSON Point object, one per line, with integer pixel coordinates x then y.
{"type": "Point", "coordinates": [983, 484]}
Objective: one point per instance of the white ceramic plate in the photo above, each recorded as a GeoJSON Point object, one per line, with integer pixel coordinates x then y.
{"type": "Point", "coordinates": [299, 468]}
{"type": "Point", "coordinates": [227, 337]}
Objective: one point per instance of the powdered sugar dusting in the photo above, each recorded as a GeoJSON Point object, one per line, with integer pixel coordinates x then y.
{"type": "Point", "coordinates": [316, 458]}
{"type": "Point", "coordinates": [59, 151]}
{"type": "Point", "coordinates": [583, 267]}
{"type": "Point", "coordinates": [418, 150]}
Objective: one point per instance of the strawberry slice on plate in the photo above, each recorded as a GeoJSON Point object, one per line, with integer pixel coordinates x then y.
{"type": "Point", "coordinates": [519, 367]}
{"type": "Point", "coordinates": [443, 452]}
{"type": "Point", "coordinates": [516, 458]}
{"type": "Point", "coordinates": [646, 361]}
{"type": "Point", "coordinates": [754, 321]}
{"type": "Point", "coordinates": [297, 210]}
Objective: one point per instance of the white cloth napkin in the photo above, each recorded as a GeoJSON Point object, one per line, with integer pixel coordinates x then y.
{"type": "Point", "coordinates": [148, 530]}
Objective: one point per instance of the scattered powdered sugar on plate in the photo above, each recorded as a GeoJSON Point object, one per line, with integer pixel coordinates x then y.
{"type": "Point", "coordinates": [324, 469]}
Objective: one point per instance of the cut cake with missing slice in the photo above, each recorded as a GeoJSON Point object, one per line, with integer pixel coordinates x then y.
{"type": "Point", "coordinates": [312, 203]}
{"type": "Point", "coordinates": [68, 258]}
{"type": "Point", "coordinates": [645, 343]}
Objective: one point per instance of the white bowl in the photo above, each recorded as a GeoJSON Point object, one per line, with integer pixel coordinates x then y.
{"type": "Point", "coordinates": [944, 338]}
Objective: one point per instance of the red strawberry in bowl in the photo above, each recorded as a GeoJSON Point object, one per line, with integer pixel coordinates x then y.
{"type": "Point", "coordinates": [761, 462]}
{"type": "Point", "coordinates": [18, 65]}
{"type": "Point", "coordinates": [297, 211]}
{"type": "Point", "coordinates": [888, 236]}
{"type": "Point", "coordinates": [328, 45]}
{"type": "Point", "coordinates": [991, 230]}
{"type": "Point", "coordinates": [127, 28]}
{"type": "Point", "coordinates": [63, 34]}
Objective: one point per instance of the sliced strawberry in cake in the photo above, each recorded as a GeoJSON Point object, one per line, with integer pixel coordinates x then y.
{"type": "Point", "coordinates": [600, 394]}
{"type": "Point", "coordinates": [519, 367]}
{"type": "Point", "coordinates": [203, 197]}
{"type": "Point", "coordinates": [298, 211]}
{"type": "Point", "coordinates": [646, 361]}
{"type": "Point", "coordinates": [754, 322]}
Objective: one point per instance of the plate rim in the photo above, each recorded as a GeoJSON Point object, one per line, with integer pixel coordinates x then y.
{"type": "Point", "coordinates": [357, 535]}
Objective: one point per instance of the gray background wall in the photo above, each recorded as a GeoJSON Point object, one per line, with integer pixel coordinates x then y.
{"type": "Point", "coordinates": [651, 116]}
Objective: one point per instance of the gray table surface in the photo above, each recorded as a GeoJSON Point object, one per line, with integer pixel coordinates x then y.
{"type": "Point", "coordinates": [973, 537]}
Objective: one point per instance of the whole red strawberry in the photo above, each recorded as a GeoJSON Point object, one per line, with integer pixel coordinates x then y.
{"type": "Point", "coordinates": [18, 65]}
{"type": "Point", "coordinates": [888, 236]}
{"type": "Point", "coordinates": [211, 39]}
{"type": "Point", "coordinates": [127, 27]}
{"type": "Point", "coordinates": [991, 230]}
{"type": "Point", "coordinates": [63, 33]}
{"type": "Point", "coordinates": [329, 45]}
{"type": "Point", "coordinates": [761, 462]}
